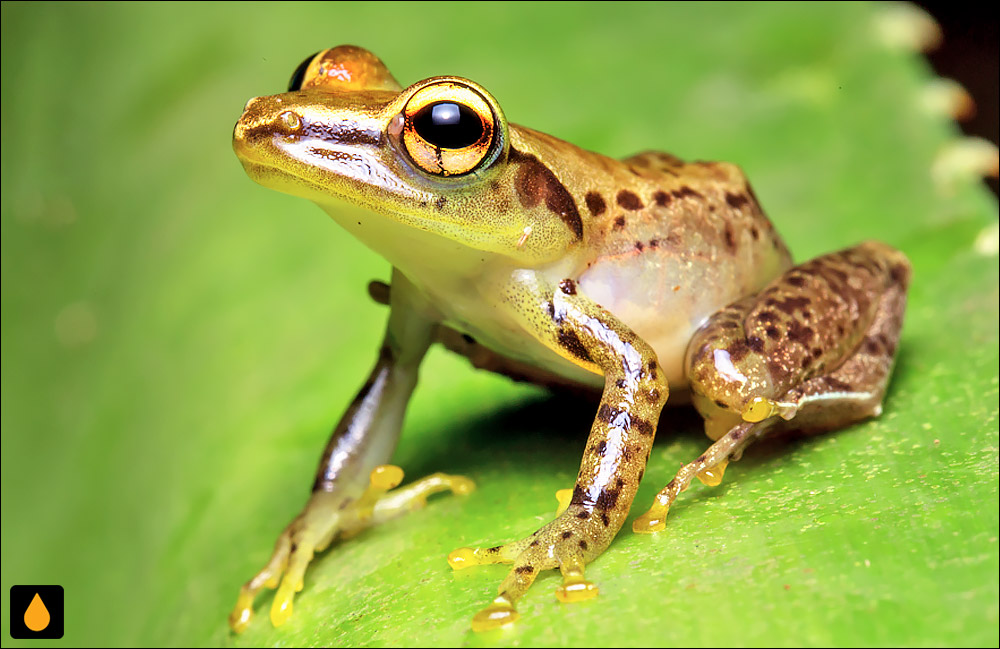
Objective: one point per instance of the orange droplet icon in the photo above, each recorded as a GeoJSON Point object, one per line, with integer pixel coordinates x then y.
{"type": "Point", "coordinates": [36, 617]}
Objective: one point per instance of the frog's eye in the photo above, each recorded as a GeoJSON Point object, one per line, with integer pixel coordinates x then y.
{"type": "Point", "coordinates": [299, 76]}
{"type": "Point", "coordinates": [448, 128]}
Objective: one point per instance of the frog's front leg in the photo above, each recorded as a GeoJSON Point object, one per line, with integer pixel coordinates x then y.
{"type": "Point", "coordinates": [615, 457]}
{"type": "Point", "coordinates": [811, 352]}
{"type": "Point", "coordinates": [349, 492]}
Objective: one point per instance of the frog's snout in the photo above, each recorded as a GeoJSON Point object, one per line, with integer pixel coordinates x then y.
{"type": "Point", "coordinates": [262, 118]}
{"type": "Point", "coordinates": [256, 113]}
{"type": "Point", "coordinates": [248, 122]}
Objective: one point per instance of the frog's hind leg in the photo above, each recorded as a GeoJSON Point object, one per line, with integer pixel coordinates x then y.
{"type": "Point", "coordinates": [812, 352]}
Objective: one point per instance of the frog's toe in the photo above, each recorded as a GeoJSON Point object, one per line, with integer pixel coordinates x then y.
{"type": "Point", "coordinates": [709, 468]}
{"type": "Point", "coordinates": [498, 614]}
{"type": "Point", "coordinates": [574, 587]}
{"type": "Point", "coordinates": [655, 518]}
{"type": "Point", "coordinates": [554, 546]}
{"type": "Point", "coordinates": [311, 531]}
{"type": "Point", "coordinates": [467, 557]}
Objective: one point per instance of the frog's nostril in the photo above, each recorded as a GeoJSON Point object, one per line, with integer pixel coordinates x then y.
{"type": "Point", "coordinates": [290, 120]}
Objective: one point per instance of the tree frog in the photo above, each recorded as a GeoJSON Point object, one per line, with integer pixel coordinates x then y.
{"type": "Point", "coordinates": [639, 278]}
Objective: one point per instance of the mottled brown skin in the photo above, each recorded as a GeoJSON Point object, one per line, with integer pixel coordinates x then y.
{"type": "Point", "coordinates": [642, 278]}
{"type": "Point", "coordinates": [820, 341]}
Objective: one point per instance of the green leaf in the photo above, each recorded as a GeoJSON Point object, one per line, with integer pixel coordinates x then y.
{"type": "Point", "coordinates": [177, 341]}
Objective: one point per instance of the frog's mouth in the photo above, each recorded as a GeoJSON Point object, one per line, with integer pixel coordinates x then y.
{"type": "Point", "coordinates": [327, 174]}
{"type": "Point", "coordinates": [331, 175]}
{"type": "Point", "coordinates": [286, 146]}
{"type": "Point", "coordinates": [330, 165]}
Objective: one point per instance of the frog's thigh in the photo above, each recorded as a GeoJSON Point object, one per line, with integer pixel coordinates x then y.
{"type": "Point", "coordinates": [816, 381]}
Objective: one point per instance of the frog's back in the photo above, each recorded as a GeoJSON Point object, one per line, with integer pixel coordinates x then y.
{"type": "Point", "coordinates": [668, 243]}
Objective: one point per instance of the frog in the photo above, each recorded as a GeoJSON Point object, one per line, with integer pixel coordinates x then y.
{"type": "Point", "coordinates": [643, 279]}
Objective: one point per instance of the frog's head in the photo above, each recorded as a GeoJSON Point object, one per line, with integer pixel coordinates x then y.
{"type": "Point", "coordinates": [434, 158]}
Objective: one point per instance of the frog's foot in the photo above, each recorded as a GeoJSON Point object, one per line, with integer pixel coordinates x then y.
{"type": "Point", "coordinates": [562, 544]}
{"type": "Point", "coordinates": [327, 515]}
{"type": "Point", "coordinates": [709, 468]}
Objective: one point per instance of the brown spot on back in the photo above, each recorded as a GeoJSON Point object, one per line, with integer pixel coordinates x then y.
{"type": "Point", "coordinates": [686, 192]}
{"type": "Point", "coordinates": [736, 201]}
{"type": "Point", "coordinates": [662, 198]}
{"type": "Point", "coordinates": [730, 238]}
{"type": "Point", "coordinates": [536, 183]}
{"type": "Point", "coordinates": [628, 200]}
{"type": "Point", "coordinates": [595, 203]}
{"type": "Point", "coordinates": [619, 222]}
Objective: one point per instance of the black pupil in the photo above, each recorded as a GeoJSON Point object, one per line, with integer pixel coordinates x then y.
{"type": "Point", "coordinates": [295, 83]}
{"type": "Point", "coordinates": [448, 125]}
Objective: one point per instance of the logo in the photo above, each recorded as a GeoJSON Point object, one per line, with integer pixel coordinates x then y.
{"type": "Point", "coordinates": [36, 612]}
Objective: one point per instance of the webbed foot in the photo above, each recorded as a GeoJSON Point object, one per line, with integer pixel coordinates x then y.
{"type": "Point", "coordinates": [326, 516]}
{"type": "Point", "coordinates": [567, 543]}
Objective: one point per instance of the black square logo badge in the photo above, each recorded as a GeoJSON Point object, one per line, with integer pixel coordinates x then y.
{"type": "Point", "coordinates": [36, 612]}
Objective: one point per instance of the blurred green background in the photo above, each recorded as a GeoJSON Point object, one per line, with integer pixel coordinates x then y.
{"type": "Point", "coordinates": [177, 341]}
